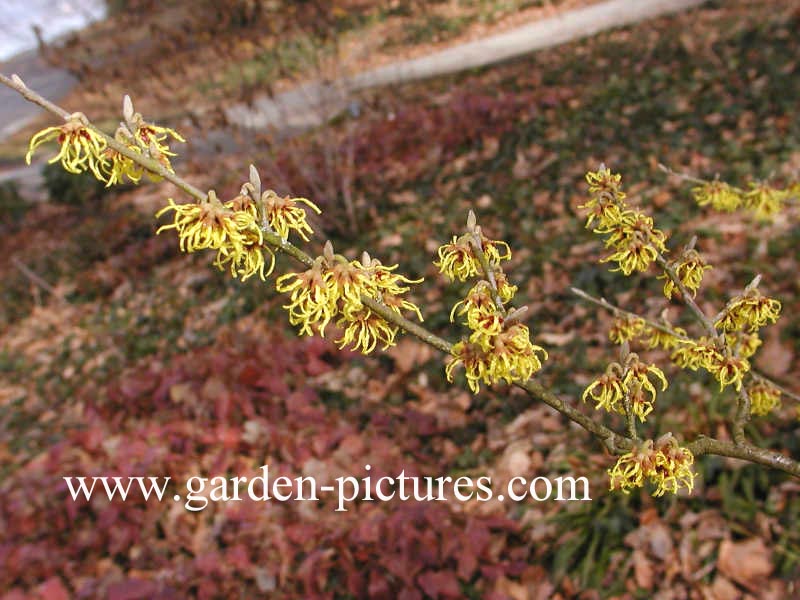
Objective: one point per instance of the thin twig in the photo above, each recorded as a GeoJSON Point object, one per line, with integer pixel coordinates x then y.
{"type": "Point", "coordinates": [770, 458]}
{"type": "Point", "coordinates": [488, 271]}
{"type": "Point", "coordinates": [740, 417]}
{"type": "Point", "coordinates": [34, 278]}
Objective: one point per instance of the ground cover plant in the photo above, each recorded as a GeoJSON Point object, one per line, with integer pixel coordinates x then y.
{"type": "Point", "coordinates": [399, 407]}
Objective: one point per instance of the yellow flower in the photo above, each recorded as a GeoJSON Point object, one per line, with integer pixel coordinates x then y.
{"type": "Point", "coordinates": [82, 148]}
{"type": "Point", "coordinates": [150, 134]}
{"type": "Point", "coordinates": [151, 139]}
{"type": "Point", "coordinates": [608, 391]}
{"type": "Point", "coordinates": [690, 273]}
{"type": "Point", "coordinates": [505, 289]}
{"type": "Point", "coordinates": [745, 345]}
{"type": "Point", "coordinates": [324, 292]}
{"type": "Point", "coordinates": [348, 281]}
{"type": "Point", "coordinates": [633, 468]}
{"type": "Point", "coordinates": [388, 287]}
{"type": "Point", "coordinates": [636, 241]}
{"type": "Point", "coordinates": [750, 310]}
{"type": "Point", "coordinates": [313, 298]}
{"type": "Point", "coordinates": [625, 328]}
{"type": "Point", "coordinates": [473, 360]}
{"type": "Point", "coordinates": [243, 203]}
{"type": "Point", "coordinates": [637, 381]}
{"type": "Point", "coordinates": [478, 300]}
{"type": "Point", "coordinates": [457, 259]}
{"type": "Point", "coordinates": [728, 370]}
{"type": "Point", "coordinates": [641, 403]}
{"type": "Point", "coordinates": [695, 354]}
{"type": "Point", "coordinates": [606, 202]}
{"type": "Point", "coordinates": [719, 195]}
{"type": "Point", "coordinates": [284, 214]}
{"type": "Point", "coordinates": [485, 325]}
{"type": "Point", "coordinates": [247, 260]}
{"type": "Point", "coordinates": [764, 398]}
{"type": "Point", "coordinates": [605, 183]}
{"type": "Point", "coordinates": [116, 167]}
{"type": "Point", "coordinates": [385, 280]}
{"type": "Point", "coordinates": [764, 200]}
{"type": "Point", "coordinates": [672, 466]}
{"type": "Point", "coordinates": [635, 257]}
{"type": "Point", "coordinates": [663, 463]}
{"type": "Point", "coordinates": [209, 224]}
{"type": "Point", "coordinates": [658, 338]}
{"type": "Point", "coordinates": [513, 357]}
{"type": "Point", "coordinates": [612, 388]}
{"type": "Point", "coordinates": [508, 356]}
{"type": "Point", "coordinates": [364, 329]}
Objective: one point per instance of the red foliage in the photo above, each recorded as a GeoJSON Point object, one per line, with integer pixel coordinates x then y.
{"type": "Point", "coordinates": [226, 411]}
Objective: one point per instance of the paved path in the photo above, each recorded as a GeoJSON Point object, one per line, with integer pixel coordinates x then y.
{"type": "Point", "coordinates": [312, 104]}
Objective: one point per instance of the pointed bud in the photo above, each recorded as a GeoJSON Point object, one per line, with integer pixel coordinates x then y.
{"type": "Point", "coordinates": [254, 178]}
{"type": "Point", "coordinates": [327, 251]}
{"type": "Point", "coordinates": [18, 81]}
{"type": "Point", "coordinates": [753, 284]}
{"type": "Point", "coordinates": [472, 221]}
{"type": "Point", "coordinates": [127, 108]}
{"type": "Point", "coordinates": [366, 260]}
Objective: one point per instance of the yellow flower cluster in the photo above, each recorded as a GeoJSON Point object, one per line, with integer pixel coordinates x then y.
{"type": "Point", "coordinates": [81, 146]}
{"type": "Point", "coordinates": [457, 260]}
{"type": "Point", "coordinates": [363, 328]}
{"type": "Point", "coordinates": [764, 398]}
{"type": "Point", "coordinates": [749, 311]}
{"type": "Point", "coordinates": [144, 138]}
{"type": "Point", "coordinates": [629, 383]}
{"type": "Point", "coordinates": [499, 347]}
{"type": "Point", "coordinates": [232, 232]}
{"type": "Point", "coordinates": [718, 194]}
{"type": "Point", "coordinates": [334, 287]}
{"type": "Point", "coordinates": [690, 271]}
{"type": "Point", "coordinates": [285, 214]}
{"type": "Point", "coordinates": [607, 200]}
{"type": "Point", "coordinates": [658, 338]}
{"type": "Point", "coordinates": [85, 149]}
{"type": "Point", "coordinates": [663, 463]}
{"type": "Point", "coordinates": [635, 242]}
{"type": "Point", "coordinates": [727, 368]}
{"type": "Point", "coordinates": [625, 328]}
{"type": "Point", "coordinates": [508, 355]}
{"type": "Point", "coordinates": [743, 344]}
{"type": "Point", "coordinates": [764, 200]}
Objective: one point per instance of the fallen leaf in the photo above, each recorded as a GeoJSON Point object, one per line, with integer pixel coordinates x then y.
{"type": "Point", "coordinates": [746, 563]}
{"type": "Point", "coordinates": [723, 589]}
